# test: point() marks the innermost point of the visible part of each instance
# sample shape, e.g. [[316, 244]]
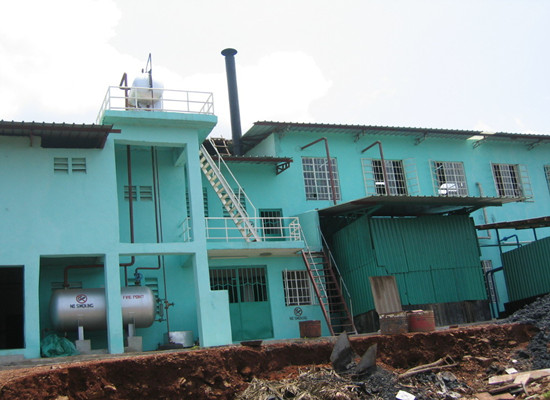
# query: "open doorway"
[[11, 314]]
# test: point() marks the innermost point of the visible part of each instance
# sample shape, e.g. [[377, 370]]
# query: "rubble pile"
[[537, 314]]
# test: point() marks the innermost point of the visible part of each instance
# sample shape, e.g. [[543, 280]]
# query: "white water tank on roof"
[[146, 92]]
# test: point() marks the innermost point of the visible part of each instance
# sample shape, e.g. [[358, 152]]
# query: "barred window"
[[395, 175], [317, 178], [449, 178], [297, 288], [507, 180]]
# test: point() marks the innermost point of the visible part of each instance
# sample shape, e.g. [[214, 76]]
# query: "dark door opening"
[[11, 314]]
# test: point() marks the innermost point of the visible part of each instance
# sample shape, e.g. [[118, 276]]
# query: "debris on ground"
[[481, 362]]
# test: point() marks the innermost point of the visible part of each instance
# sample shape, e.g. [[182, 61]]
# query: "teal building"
[[250, 244]]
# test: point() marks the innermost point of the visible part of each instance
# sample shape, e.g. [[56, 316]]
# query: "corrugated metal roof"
[[84, 136], [413, 205], [261, 129], [541, 222]]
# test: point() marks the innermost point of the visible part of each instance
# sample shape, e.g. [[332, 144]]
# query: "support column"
[[213, 317], [31, 274], [115, 333]]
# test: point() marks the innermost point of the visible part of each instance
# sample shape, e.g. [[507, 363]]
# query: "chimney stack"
[[236, 132]]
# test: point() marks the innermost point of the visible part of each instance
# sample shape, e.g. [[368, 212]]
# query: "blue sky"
[[440, 64]]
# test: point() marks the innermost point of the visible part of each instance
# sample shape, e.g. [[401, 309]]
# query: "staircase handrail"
[[221, 163], [342, 283], [308, 251]]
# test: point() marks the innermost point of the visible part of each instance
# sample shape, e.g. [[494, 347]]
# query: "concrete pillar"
[[31, 274], [115, 333]]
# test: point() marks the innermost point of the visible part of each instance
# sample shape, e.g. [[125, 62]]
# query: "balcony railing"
[[268, 229], [165, 100]]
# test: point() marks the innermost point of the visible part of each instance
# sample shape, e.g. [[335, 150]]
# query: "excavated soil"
[[222, 373]]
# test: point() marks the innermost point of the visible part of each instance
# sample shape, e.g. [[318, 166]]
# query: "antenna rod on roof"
[[236, 132]]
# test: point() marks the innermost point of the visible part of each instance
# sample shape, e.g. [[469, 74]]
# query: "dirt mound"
[[222, 373]]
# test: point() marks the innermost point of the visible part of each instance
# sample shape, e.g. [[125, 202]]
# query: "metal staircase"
[[328, 292], [231, 201]]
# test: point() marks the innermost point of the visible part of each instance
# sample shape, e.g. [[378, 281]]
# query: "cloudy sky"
[[466, 64]]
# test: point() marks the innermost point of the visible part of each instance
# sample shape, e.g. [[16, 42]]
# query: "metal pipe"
[[384, 173], [236, 132], [492, 272], [485, 218], [68, 267], [329, 166], [131, 212]]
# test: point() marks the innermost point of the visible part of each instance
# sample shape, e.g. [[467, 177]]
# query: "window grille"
[[317, 178], [271, 222], [511, 180], [373, 176], [297, 288], [127, 192], [78, 165], [243, 285], [146, 193], [61, 165], [449, 178]]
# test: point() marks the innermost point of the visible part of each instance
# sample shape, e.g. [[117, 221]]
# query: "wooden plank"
[[483, 396], [533, 375]]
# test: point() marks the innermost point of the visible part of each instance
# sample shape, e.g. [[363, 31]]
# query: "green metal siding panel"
[[420, 288], [434, 259], [526, 270], [388, 244]]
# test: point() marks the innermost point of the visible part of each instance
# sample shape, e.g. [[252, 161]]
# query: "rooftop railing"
[[144, 99]]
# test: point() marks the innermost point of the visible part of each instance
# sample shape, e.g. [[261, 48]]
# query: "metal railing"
[[231, 180], [345, 291], [178, 101], [268, 229]]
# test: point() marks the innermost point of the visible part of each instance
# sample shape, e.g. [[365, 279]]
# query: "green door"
[[249, 306]]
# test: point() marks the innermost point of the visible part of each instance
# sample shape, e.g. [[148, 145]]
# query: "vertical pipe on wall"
[[131, 211]]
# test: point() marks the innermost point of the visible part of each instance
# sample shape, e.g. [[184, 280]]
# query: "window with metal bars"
[[395, 175], [242, 284], [507, 180], [449, 178], [271, 222], [297, 288], [317, 178]]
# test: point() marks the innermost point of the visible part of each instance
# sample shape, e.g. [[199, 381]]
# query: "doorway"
[[249, 305]]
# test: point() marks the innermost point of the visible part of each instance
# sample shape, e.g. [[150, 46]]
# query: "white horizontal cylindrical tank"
[[70, 308], [145, 92]]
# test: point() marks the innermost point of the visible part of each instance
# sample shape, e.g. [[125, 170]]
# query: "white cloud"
[[57, 59]]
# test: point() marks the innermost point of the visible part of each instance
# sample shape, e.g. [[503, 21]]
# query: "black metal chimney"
[[236, 132]]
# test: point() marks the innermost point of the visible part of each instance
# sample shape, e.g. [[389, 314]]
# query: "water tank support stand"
[[80, 332], [131, 330]]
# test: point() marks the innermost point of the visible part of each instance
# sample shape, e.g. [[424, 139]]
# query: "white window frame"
[[511, 180], [298, 288], [449, 178], [317, 178], [396, 175]]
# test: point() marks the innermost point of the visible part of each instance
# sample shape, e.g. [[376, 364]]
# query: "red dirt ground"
[[221, 373]]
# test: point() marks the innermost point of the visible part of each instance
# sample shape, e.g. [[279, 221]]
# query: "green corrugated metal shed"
[[435, 259], [527, 270]]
